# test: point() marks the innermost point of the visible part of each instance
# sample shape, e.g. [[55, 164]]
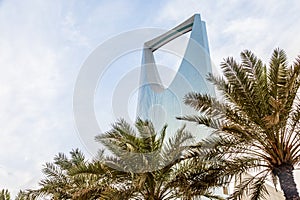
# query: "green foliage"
[[60, 183], [256, 121], [4, 195], [142, 164], [145, 162]]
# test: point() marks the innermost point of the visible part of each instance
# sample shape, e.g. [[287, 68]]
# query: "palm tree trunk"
[[287, 182]]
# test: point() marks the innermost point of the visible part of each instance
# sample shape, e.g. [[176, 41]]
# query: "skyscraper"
[[162, 105]]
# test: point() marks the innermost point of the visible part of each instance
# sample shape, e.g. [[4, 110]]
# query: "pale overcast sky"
[[44, 43]]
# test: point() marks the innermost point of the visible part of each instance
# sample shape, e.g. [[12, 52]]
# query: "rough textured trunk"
[[287, 182]]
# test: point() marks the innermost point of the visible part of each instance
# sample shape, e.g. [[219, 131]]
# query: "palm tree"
[[141, 166], [255, 122], [59, 182], [145, 166]]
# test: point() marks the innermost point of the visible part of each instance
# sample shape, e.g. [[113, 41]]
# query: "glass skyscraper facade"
[[162, 105]]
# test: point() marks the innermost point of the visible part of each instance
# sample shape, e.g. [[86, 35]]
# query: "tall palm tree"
[[146, 166], [256, 121]]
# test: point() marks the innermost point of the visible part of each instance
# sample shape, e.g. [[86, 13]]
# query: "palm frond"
[[255, 124]]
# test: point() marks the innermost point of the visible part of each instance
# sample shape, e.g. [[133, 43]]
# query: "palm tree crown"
[[147, 163], [147, 166], [256, 121], [61, 182]]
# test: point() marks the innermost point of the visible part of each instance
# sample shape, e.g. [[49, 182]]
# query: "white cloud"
[[71, 31], [32, 83], [42, 45], [234, 26]]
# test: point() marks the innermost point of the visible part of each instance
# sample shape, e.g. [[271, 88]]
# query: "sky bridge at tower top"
[[170, 35]]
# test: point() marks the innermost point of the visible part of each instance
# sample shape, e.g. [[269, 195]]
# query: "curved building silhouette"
[[162, 105]]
